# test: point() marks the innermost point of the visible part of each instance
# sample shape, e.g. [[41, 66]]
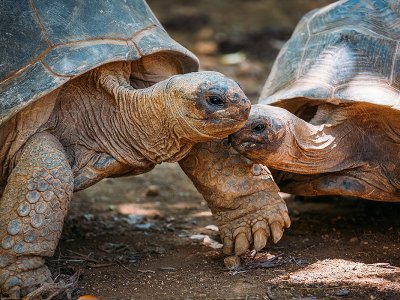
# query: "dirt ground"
[[138, 238]]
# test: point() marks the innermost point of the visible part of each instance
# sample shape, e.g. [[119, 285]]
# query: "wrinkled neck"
[[150, 127], [312, 149]]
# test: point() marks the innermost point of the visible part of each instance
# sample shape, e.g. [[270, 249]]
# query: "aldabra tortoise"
[[334, 125], [90, 89]]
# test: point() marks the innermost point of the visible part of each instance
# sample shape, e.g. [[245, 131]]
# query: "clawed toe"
[[266, 224], [17, 280]]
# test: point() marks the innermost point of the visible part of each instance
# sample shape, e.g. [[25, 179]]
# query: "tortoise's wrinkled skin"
[[242, 195], [334, 125], [343, 155], [104, 92], [100, 127]]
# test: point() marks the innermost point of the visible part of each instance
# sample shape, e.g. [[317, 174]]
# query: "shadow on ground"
[[335, 248]]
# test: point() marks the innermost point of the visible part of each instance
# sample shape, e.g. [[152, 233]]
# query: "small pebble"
[[207, 241], [233, 58], [152, 191], [212, 227], [353, 240], [232, 262], [206, 47], [342, 292]]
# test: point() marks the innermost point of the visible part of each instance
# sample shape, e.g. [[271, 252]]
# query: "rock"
[[152, 191], [353, 240], [207, 241], [144, 226], [212, 227], [233, 58], [342, 293], [206, 47], [134, 219], [232, 262], [197, 237]]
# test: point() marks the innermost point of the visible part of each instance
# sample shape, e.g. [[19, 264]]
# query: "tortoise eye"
[[216, 101], [258, 128]]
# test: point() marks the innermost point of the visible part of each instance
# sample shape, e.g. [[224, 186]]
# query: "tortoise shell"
[[345, 52], [46, 43]]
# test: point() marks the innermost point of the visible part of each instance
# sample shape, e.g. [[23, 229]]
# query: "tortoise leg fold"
[[32, 211], [242, 195]]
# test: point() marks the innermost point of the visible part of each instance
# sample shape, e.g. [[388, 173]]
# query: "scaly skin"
[[242, 196], [32, 212], [97, 126]]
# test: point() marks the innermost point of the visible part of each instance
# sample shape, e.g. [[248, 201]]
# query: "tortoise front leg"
[[32, 211], [242, 196]]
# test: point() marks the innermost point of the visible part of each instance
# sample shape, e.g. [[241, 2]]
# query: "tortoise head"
[[265, 134], [208, 104], [279, 139]]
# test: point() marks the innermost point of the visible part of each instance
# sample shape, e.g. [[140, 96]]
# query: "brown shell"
[[345, 52]]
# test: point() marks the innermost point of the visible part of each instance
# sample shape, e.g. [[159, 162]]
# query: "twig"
[[146, 271], [55, 289], [125, 267], [80, 255], [100, 265]]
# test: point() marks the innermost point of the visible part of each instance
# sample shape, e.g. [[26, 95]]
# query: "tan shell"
[[345, 52]]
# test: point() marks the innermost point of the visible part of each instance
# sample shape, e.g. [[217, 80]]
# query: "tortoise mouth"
[[216, 119], [243, 144]]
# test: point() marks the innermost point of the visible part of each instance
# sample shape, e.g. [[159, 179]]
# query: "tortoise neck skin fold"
[[143, 127], [131, 125], [277, 138], [143, 119], [168, 117]]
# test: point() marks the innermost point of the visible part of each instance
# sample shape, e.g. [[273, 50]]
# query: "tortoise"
[[327, 122], [88, 90]]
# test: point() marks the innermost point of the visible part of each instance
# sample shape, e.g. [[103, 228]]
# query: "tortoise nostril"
[[230, 139]]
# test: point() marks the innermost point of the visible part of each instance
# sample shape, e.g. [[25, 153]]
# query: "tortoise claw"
[[228, 245], [241, 244], [260, 239], [242, 229], [277, 231]]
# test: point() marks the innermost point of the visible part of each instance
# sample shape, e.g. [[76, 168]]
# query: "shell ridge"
[[40, 22], [348, 84], [396, 52], [52, 71], [48, 50], [299, 71], [362, 29]]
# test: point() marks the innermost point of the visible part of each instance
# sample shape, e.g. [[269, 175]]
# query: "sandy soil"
[[130, 238]]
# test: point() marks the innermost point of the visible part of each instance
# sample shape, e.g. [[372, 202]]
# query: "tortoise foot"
[[23, 276], [252, 223]]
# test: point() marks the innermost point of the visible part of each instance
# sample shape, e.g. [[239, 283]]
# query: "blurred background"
[[238, 38]]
